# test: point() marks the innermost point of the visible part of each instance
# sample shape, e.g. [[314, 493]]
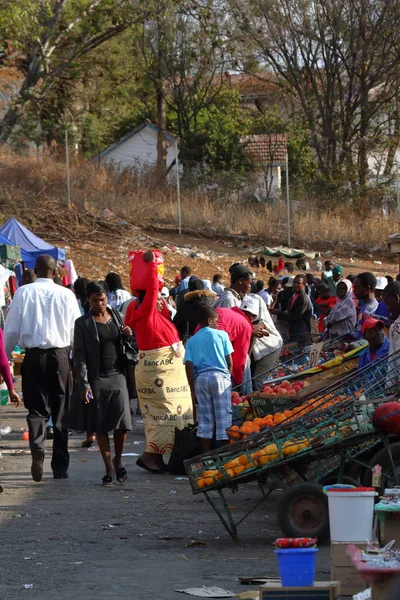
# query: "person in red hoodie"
[[163, 390]]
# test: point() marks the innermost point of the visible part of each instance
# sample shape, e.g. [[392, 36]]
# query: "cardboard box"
[[321, 590], [342, 569], [381, 590], [390, 528], [10, 252]]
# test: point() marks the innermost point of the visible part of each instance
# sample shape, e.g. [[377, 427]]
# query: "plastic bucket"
[[351, 514], [297, 566]]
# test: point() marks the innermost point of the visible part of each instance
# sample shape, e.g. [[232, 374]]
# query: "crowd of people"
[[91, 349]]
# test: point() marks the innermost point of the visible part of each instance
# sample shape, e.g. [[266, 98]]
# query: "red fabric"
[[152, 329], [239, 330], [4, 364], [281, 265], [294, 298], [13, 285], [330, 302]]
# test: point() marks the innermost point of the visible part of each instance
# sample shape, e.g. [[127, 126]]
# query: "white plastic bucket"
[[351, 514]]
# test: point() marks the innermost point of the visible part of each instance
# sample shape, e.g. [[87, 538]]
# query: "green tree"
[[215, 140], [52, 36]]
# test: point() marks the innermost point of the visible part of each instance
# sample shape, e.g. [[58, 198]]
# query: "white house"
[[267, 153], [138, 149]]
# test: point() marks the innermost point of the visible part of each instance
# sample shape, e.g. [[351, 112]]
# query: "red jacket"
[[240, 331]]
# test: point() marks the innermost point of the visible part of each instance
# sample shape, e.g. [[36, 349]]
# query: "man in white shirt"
[[41, 320]]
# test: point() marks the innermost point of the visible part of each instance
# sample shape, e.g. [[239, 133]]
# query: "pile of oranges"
[[328, 401], [242, 463], [237, 433]]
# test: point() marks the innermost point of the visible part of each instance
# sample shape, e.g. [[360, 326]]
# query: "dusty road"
[[56, 534]]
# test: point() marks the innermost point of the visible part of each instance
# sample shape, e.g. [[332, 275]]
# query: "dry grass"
[[32, 185]]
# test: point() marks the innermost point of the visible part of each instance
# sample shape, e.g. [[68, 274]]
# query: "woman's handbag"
[[128, 352]]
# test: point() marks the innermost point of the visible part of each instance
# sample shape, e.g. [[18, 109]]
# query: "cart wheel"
[[303, 512], [381, 458]]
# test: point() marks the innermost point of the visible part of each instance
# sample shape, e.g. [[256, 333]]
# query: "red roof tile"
[[265, 149]]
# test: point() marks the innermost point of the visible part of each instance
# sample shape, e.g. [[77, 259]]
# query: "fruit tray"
[[378, 380], [320, 435]]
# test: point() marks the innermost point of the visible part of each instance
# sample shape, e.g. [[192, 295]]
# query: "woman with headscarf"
[[163, 390], [343, 315], [187, 316]]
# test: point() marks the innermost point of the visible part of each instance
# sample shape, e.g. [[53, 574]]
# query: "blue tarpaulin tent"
[[31, 245], [7, 242]]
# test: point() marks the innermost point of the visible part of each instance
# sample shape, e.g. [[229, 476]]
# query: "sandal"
[[88, 443], [141, 464], [121, 473], [107, 481]]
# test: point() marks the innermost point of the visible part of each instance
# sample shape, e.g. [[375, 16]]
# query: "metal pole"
[[288, 201], [178, 188], [67, 167], [398, 194]]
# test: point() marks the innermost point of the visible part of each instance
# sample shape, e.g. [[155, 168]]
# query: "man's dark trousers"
[[46, 384]]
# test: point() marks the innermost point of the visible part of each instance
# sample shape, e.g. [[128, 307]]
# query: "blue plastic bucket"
[[297, 566]]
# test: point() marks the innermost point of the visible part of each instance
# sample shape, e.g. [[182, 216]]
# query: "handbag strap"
[[117, 318]]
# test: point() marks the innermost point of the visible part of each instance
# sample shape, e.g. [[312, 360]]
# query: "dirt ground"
[[74, 538], [206, 256]]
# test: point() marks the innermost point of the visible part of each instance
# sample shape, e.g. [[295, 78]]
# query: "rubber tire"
[[381, 458], [288, 528]]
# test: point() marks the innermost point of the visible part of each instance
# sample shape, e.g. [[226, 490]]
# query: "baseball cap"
[[338, 270], [239, 271], [381, 283], [371, 323], [165, 292], [250, 305]]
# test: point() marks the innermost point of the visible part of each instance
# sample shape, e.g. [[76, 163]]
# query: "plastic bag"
[[138, 269], [186, 446]]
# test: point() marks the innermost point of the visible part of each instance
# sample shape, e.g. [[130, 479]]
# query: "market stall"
[[31, 245], [297, 452]]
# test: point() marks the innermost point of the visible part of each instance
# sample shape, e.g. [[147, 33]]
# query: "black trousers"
[[46, 384]]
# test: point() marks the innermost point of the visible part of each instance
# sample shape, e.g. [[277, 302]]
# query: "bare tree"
[[331, 57], [184, 53]]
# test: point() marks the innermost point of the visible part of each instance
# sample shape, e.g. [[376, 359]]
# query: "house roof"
[[253, 86], [265, 149], [169, 136]]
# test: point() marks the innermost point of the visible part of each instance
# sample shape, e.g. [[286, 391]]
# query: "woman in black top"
[[101, 377]]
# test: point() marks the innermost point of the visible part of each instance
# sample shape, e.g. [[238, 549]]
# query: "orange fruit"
[[208, 480], [231, 464], [239, 470], [200, 482], [249, 465], [263, 460], [271, 451], [211, 473], [230, 472], [246, 428], [243, 460], [256, 428]]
